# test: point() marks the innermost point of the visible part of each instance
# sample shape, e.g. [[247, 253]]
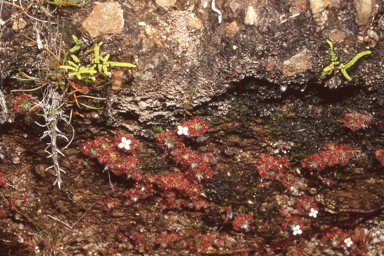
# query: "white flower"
[[182, 130], [348, 241], [313, 213], [125, 143], [296, 230]]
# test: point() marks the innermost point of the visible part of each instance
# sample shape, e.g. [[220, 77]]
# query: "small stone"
[[15, 27], [234, 5], [40, 170], [195, 23], [16, 160], [22, 23], [270, 65], [364, 10], [232, 29], [117, 80], [372, 34], [105, 18], [95, 115], [297, 64], [334, 3], [333, 82], [250, 16], [313, 191], [337, 36], [318, 6], [166, 4]]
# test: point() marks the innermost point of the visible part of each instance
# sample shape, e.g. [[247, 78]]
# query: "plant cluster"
[[3, 179], [24, 104], [356, 120], [379, 153], [85, 72], [295, 224], [354, 239], [118, 160], [343, 67], [294, 250], [177, 188], [2, 212], [89, 70], [18, 202], [275, 168], [83, 164], [334, 154], [243, 221], [139, 239], [166, 239], [307, 206], [141, 190], [192, 128], [110, 203], [201, 243]]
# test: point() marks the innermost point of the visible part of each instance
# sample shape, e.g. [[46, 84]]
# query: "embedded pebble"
[[250, 16], [364, 10]]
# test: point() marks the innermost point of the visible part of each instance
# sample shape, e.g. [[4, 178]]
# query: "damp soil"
[[71, 220]]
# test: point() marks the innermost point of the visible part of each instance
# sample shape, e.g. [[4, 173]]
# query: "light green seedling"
[[87, 72], [343, 67]]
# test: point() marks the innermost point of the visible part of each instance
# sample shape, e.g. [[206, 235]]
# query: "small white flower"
[[348, 241], [296, 230], [125, 143], [182, 130], [313, 213]]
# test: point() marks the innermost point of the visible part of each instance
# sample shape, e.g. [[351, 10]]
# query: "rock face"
[[179, 45], [186, 46]]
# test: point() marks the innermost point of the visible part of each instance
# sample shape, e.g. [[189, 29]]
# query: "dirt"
[[74, 222]]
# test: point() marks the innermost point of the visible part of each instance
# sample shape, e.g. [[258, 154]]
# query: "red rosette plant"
[[167, 239], [167, 141], [109, 154], [356, 120], [18, 202], [192, 128], [335, 237], [334, 154], [294, 221], [110, 203], [25, 103], [243, 221], [379, 153], [3, 179], [305, 204], [2, 212]]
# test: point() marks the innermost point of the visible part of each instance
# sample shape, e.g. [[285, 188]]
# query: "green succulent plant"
[[342, 67], [86, 72]]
